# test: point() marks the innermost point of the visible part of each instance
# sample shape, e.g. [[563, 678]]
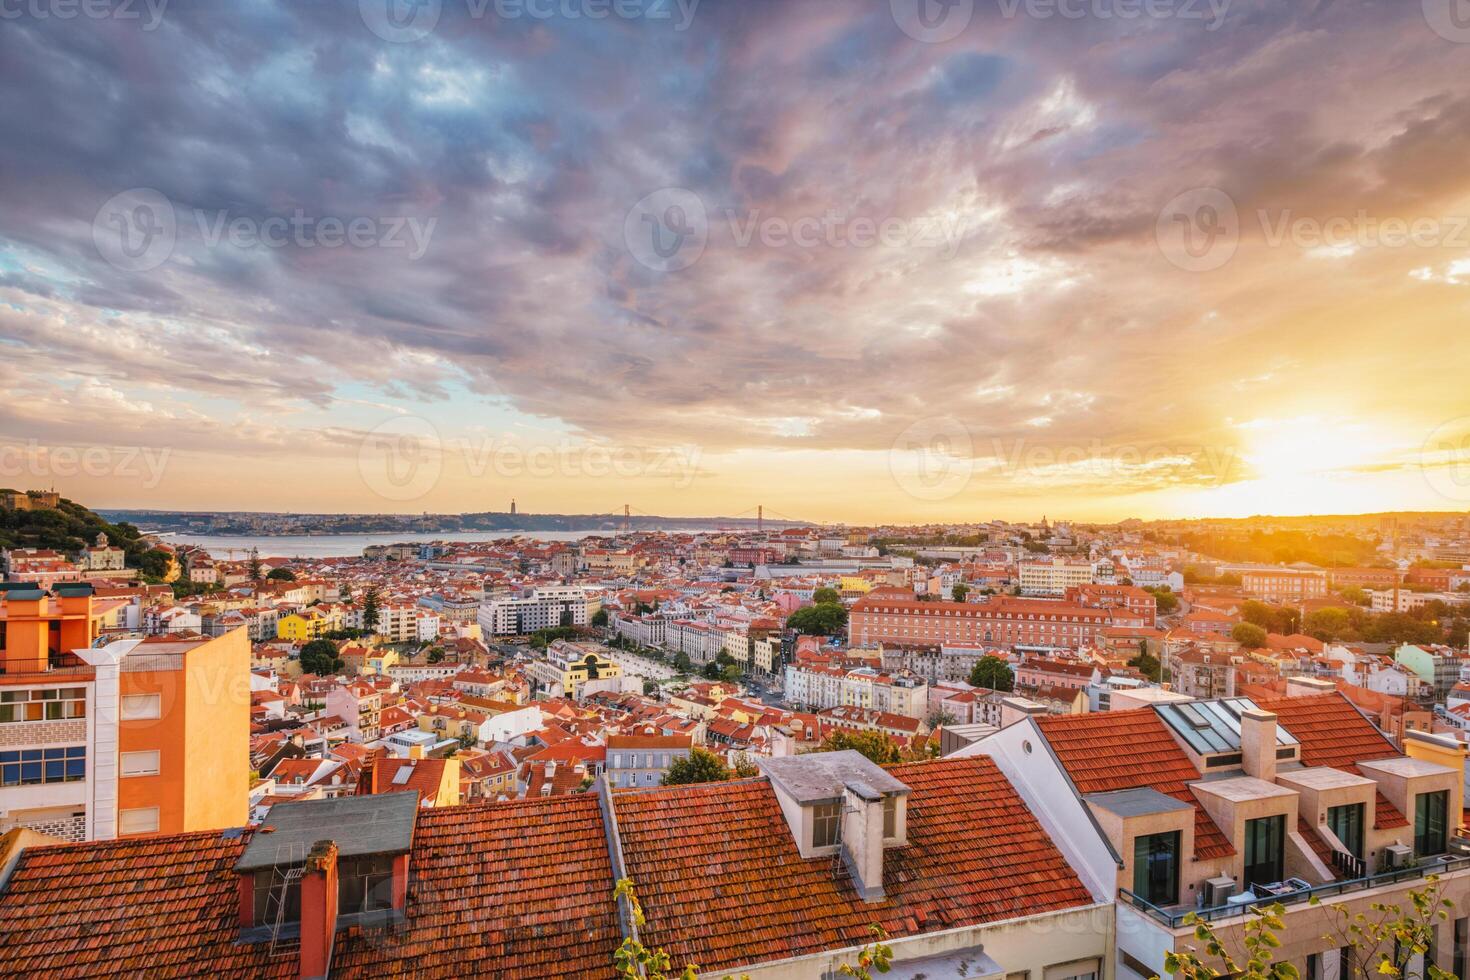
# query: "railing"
[[1174, 916]]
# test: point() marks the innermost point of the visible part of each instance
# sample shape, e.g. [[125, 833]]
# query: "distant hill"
[[68, 528]]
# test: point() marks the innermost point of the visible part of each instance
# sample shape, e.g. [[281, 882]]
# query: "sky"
[[858, 260]]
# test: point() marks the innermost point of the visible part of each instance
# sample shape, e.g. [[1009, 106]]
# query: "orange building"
[[105, 740]]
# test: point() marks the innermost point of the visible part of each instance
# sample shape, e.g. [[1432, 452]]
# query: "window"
[[1430, 810], [1263, 850], [826, 824], [365, 884], [1462, 941], [54, 704], [1156, 868], [138, 763], [29, 767], [142, 820], [137, 707], [1346, 822], [265, 910], [890, 817]]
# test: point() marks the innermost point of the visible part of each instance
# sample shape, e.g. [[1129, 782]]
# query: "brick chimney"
[[1258, 743], [862, 838], [318, 909]]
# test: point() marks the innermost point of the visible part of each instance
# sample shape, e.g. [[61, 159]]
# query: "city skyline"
[[829, 257]]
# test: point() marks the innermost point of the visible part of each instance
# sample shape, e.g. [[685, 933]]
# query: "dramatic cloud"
[[1069, 258]]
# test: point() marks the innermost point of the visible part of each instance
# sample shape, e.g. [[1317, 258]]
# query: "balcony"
[[1174, 915]]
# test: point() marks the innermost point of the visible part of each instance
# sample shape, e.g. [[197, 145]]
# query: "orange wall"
[[202, 737]]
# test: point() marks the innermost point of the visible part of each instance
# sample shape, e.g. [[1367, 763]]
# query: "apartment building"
[[1053, 578], [374, 885], [545, 608], [997, 622], [642, 760], [821, 686], [1211, 806], [1436, 666], [566, 667], [1136, 600], [402, 622], [137, 736], [1283, 585], [360, 707]]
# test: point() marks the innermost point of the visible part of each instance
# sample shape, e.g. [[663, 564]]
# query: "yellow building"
[[303, 626], [572, 665], [854, 583]]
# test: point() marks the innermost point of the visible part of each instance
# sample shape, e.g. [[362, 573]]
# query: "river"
[[345, 545]]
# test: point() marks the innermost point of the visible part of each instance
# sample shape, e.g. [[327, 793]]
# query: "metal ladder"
[[282, 878]]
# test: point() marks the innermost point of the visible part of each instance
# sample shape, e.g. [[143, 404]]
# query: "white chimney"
[[862, 838], [1301, 687], [1258, 743]]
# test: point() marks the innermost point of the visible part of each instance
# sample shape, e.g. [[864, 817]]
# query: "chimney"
[[862, 838], [318, 909], [1301, 687], [1016, 709], [1258, 743]]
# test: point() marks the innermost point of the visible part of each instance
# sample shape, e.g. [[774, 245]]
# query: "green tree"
[[959, 592], [1147, 664], [826, 595], [994, 673], [875, 745], [255, 564], [370, 604], [1165, 599], [436, 654], [281, 575], [938, 718], [599, 618], [1329, 625], [826, 619], [154, 564], [701, 766], [320, 657], [1249, 635], [1384, 941], [682, 663]]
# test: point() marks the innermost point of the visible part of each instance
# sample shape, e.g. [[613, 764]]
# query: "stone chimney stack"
[[1258, 743], [862, 838]]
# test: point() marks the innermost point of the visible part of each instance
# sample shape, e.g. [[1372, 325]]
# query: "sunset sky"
[[816, 255]]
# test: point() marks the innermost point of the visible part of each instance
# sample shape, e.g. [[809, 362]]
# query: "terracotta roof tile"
[[1112, 750], [723, 853]]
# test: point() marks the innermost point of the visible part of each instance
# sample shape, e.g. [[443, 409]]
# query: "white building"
[[545, 608]]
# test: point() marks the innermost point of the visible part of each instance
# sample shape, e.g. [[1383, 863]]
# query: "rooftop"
[[819, 777], [1139, 802], [364, 824]]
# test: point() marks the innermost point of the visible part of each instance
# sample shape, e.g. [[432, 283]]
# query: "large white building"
[[545, 608], [822, 686], [1054, 578]]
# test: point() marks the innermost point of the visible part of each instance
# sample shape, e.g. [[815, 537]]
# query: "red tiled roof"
[[722, 852], [1334, 733], [525, 886], [1112, 750]]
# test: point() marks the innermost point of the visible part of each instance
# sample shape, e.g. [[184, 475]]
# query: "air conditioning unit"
[[1217, 891], [1398, 856]]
